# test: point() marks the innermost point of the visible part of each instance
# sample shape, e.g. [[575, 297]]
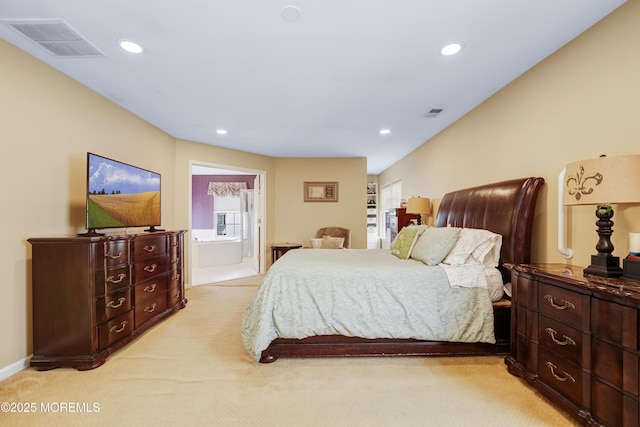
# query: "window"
[[391, 197]]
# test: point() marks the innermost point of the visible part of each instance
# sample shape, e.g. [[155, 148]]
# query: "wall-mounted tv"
[[120, 195]]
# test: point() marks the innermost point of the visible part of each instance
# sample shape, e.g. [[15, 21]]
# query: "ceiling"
[[300, 78]]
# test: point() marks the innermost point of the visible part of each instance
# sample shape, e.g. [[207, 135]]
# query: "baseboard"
[[14, 368]]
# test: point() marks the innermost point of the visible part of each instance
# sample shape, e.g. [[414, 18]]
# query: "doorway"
[[226, 232]]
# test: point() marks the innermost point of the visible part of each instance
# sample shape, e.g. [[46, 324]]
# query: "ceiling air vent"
[[56, 36], [433, 112]]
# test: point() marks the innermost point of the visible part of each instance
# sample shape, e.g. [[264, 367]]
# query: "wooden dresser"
[[93, 295], [576, 340], [398, 220]]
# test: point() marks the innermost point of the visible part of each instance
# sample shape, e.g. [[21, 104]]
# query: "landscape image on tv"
[[121, 195]]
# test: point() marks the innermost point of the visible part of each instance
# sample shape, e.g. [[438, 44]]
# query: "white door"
[[258, 209]]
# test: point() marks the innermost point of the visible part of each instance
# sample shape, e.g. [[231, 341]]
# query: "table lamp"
[[602, 182], [420, 206]]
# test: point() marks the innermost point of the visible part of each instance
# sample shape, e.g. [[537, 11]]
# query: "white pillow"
[[475, 246], [494, 283], [316, 243]]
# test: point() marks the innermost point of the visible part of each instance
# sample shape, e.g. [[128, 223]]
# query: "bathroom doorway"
[[226, 227]]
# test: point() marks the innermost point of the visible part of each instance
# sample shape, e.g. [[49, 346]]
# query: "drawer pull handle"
[[113, 304], [151, 308], [150, 248], [120, 278], [150, 288], [567, 340], [118, 255], [565, 304], [150, 268], [567, 376], [117, 329]]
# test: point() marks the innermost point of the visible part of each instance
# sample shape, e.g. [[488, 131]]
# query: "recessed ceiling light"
[[130, 46], [291, 13], [451, 48], [221, 131], [385, 131]]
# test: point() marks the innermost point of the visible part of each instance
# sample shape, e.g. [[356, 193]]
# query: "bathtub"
[[220, 250]]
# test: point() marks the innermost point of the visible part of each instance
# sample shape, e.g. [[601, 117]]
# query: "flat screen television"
[[120, 195]]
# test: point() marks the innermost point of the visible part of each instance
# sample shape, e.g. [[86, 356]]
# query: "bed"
[[312, 302]]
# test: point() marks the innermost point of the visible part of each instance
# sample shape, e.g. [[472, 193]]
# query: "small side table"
[[279, 249]]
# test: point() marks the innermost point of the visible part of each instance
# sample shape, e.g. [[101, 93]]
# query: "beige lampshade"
[[603, 180], [419, 205]]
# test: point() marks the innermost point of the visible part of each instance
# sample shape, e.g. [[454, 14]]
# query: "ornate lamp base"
[[604, 265]]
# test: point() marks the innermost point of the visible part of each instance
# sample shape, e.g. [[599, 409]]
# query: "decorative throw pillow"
[[404, 242], [434, 244], [329, 242], [316, 243]]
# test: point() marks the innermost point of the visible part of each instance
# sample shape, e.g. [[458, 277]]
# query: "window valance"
[[226, 188]]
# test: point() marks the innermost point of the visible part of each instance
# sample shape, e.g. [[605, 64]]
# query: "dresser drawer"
[[174, 296], [112, 305], [116, 252], [563, 340], [564, 305], [147, 269], [150, 289], [561, 375], [145, 248], [115, 329], [149, 309], [108, 281]]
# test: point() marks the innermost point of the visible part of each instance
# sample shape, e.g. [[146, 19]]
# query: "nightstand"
[[279, 249], [576, 339]]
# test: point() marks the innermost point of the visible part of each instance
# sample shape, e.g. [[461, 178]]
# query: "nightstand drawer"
[[561, 375], [612, 407], [563, 340], [563, 305]]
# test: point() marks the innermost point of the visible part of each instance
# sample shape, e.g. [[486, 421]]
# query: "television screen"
[[120, 195]]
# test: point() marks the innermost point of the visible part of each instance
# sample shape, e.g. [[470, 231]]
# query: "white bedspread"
[[364, 293]]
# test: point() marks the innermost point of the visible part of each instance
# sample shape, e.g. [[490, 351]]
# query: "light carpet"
[[192, 370]]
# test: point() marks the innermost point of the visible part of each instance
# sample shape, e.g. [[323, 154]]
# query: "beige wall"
[[49, 122], [297, 221], [579, 103]]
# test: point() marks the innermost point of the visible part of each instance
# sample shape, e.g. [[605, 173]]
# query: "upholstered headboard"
[[506, 208]]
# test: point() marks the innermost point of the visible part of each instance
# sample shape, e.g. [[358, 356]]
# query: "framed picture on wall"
[[320, 191]]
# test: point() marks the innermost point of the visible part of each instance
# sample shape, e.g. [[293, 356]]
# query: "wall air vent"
[[56, 36], [433, 112]]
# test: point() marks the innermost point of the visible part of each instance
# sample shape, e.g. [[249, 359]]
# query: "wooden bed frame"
[[506, 208]]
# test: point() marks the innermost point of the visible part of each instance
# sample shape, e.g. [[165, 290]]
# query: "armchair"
[[336, 232]]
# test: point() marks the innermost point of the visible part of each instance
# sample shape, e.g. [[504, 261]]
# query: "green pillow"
[[404, 242], [434, 244]]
